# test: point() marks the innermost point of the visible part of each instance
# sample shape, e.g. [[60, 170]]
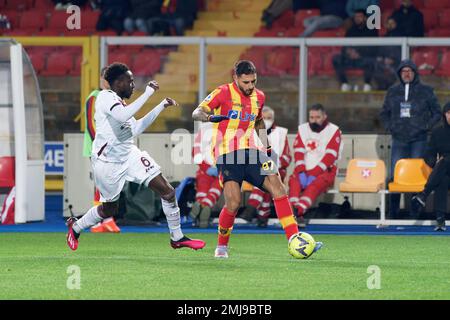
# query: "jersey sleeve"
[[107, 101], [299, 154], [213, 100]]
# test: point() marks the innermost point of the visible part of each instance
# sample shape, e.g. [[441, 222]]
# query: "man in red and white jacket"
[[207, 183], [259, 201], [317, 147]]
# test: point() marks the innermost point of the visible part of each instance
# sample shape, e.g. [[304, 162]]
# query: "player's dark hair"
[[114, 71], [244, 67], [317, 107], [361, 11]]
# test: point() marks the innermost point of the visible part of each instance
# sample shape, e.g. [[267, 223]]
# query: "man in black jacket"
[[410, 111], [438, 157], [409, 20], [360, 57]]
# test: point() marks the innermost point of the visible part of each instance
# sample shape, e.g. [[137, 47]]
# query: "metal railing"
[[302, 43]]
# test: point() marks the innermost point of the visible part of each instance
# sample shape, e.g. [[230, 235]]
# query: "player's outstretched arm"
[[150, 117], [200, 114], [122, 113]]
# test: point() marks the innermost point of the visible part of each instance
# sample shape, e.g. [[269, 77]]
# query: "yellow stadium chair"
[[364, 175], [410, 175]]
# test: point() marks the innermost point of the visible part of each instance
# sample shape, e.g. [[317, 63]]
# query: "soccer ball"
[[301, 245]]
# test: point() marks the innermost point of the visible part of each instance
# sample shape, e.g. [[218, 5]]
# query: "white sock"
[[172, 212], [91, 218]]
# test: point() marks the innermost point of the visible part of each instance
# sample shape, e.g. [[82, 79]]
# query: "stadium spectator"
[[409, 20], [207, 183], [113, 13], [385, 73], [361, 57], [64, 4], [274, 10], [116, 159], [353, 6], [259, 201], [437, 157], [409, 112], [332, 15], [316, 149], [141, 11], [237, 115], [107, 225], [175, 14]]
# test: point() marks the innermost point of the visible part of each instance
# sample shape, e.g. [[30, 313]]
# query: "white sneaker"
[[221, 252], [345, 87], [367, 87]]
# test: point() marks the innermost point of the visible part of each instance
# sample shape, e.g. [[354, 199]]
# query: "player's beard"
[[247, 92]]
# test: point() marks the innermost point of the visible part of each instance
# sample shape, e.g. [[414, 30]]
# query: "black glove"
[[218, 118]]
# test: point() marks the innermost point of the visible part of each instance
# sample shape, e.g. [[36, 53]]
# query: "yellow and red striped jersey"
[[243, 111]]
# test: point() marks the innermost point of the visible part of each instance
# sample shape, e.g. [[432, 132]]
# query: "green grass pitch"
[[144, 266]]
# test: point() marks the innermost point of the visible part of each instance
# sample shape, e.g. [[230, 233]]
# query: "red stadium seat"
[[444, 66], [444, 19], [146, 63], [327, 64], [430, 18], [294, 32], [58, 64], [58, 20], [386, 5], [332, 33], [49, 33], [272, 32], [122, 57], [44, 5], [37, 60], [256, 54], [106, 33], [280, 61], [33, 21], [439, 33], [7, 172], [437, 4], [19, 5], [286, 20], [302, 14], [18, 33], [78, 32], [89, 19], [76, 70]]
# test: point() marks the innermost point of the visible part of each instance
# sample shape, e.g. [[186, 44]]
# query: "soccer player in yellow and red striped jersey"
[[239, 155]]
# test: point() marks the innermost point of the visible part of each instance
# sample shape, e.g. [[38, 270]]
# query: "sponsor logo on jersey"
[[234, 114]]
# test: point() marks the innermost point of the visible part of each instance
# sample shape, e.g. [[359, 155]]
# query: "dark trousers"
[[438, 181], [403, 150], [341, 63]]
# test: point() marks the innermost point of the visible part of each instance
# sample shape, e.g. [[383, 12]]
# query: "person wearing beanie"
[[410, 111]]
